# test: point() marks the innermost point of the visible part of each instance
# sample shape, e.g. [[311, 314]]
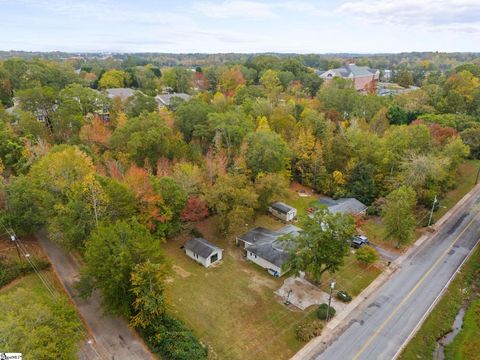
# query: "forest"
[[115, 180]]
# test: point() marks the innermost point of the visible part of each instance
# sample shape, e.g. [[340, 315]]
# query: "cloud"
[[432, 15], [252, 9]]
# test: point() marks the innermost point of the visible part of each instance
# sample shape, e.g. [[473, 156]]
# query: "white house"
[[263, 247], [282, 211], [203, 251], [344, 206]]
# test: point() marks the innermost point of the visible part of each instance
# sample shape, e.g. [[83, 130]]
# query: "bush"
[[322, 312], [373, 210], [308, 330], [366, 255], [196, 233], [10, 270], [344, 296], [173, 340]]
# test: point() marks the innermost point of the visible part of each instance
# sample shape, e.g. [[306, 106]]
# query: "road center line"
[[422, 279]]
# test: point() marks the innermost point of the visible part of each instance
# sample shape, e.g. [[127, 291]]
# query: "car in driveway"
[[359, 240]]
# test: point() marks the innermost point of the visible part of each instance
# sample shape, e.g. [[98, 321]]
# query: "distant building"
[[164, 100], [344, 206], [363, 78], [262, 246], [282, 211], [203, 251], [122, 93]]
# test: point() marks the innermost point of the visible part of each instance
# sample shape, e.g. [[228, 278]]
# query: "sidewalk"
[[113, 339], [338, 323]]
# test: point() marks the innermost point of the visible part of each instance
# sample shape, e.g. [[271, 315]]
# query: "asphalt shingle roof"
[[282, 207], [201, 247], [166, 98], [343, 205]]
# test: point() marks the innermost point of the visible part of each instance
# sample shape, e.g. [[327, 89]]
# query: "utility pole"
[[12, 237], [332, 285], [431, 212]]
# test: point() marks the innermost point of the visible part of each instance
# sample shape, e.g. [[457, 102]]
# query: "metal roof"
[[282, 207], [343, 205], [201, 247], [166, 98]]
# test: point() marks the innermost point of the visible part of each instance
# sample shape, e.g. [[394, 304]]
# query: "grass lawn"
[[466, 344], [232, 307], [440, 321], [465, 180], [353, 277]]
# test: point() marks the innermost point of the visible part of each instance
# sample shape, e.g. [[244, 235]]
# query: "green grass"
[[465, 181], [440, 321], [466, 345], [232, 307], [353, 276]]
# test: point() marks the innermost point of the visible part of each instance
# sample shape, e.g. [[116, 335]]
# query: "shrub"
[[366, 255], [322, 312], [10, 270], [173, 340], [308, 330], [374, 210], [344, 296], [196, 233]]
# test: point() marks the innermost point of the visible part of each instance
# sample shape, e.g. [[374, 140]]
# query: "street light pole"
[[332, 285], [431, 212]]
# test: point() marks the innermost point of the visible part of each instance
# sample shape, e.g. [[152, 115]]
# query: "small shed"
[[203, 251], [282, 211]]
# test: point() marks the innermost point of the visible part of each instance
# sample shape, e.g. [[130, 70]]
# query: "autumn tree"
[[398, 216], [114, 79], [233, 198], [196, 209]]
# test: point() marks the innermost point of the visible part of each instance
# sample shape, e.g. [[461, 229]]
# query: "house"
[[364, 79], [282, 211], [164, 100], [344, 206], [264, 247], [203, 251], [122, 93]]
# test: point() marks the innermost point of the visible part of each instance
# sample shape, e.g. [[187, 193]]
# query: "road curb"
[[311, 348]]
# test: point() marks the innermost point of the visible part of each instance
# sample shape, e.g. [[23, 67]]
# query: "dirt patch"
[[259, 282], [302, 190], [182, 272]]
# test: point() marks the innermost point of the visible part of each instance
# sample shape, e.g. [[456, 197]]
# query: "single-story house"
[[263, 247], [203, 251], [282, 211], [164, 100], [344, 205], [122, 93]]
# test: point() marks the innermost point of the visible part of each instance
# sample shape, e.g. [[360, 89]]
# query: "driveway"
[[112, 338]]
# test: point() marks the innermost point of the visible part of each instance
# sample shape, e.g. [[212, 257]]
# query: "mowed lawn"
[[232, 307]]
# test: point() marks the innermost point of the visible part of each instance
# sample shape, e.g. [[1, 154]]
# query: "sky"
[[242, 26]]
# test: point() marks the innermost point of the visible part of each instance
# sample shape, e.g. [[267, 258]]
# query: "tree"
[[230, 80], [266, 152], [114, 79], [139, 103], [189, 177], [196, 209], [40, 101], [321, 245], [112, 253], [39, 326], [398, 216], [361, 183], [367, 255], [471, 137], [308, 161], [234, 200], [405, 78], [190, 115], [147, 281], [270, 187], [271, 83]]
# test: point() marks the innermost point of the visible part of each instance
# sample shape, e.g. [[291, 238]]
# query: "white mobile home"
[[282, 211], [203, 251]]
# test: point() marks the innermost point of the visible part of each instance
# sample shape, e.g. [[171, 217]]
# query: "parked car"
[[359, 241]]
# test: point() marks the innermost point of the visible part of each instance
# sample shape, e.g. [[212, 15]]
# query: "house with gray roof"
[[265, 247], [122, 93], [363, 77], [164, 100], [282, 211], [344, 205], [203, 251]]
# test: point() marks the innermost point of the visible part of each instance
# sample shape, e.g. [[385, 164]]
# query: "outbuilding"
[[203, 251], [282, 211]]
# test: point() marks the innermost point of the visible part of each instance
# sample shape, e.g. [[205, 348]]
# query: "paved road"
[[378, 328], [113, 339]]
